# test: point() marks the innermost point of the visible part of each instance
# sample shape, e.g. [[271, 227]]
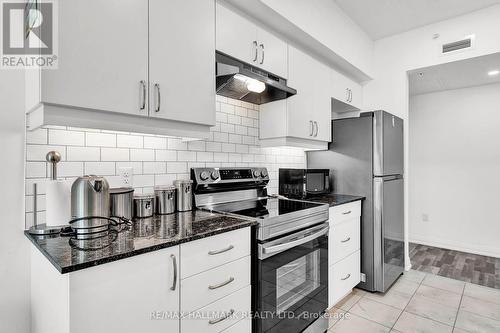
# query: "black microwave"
[[303, 183]]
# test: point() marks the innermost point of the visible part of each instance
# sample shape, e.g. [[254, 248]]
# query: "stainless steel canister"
[[121, 203], [165, 199], [184, 194], [144, 205]]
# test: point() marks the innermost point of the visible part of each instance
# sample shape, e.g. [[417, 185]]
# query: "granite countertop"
[[335, 199], [69, 254]]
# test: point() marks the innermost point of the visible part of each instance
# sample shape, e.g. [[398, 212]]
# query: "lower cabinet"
[[344, 259], [147, 293]]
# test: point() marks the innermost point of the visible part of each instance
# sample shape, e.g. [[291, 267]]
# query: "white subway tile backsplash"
[[39, 152], [142, 155], [186, 155], [155, 142], [100, 139], [65, 137], [83, 154], [129, 141], [115, 154], [36, 169], [100, 168], [176, 167], [154, 168], [156, 160], [38, 136], [166, 155]]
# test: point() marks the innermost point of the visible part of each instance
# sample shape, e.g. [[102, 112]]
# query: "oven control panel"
[[209, 176]]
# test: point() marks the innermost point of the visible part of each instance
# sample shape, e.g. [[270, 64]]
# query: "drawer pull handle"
[[174, 264], [230, 247], [346, 277], [222, 318], [346, 240], [222, 284], [347, 213]]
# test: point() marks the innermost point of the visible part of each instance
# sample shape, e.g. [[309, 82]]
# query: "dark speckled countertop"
[[68, 254], [335, 199]]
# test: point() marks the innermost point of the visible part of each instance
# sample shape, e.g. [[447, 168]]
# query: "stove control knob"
[[256, 173], [263, 173], [215, 175], [204, 175]]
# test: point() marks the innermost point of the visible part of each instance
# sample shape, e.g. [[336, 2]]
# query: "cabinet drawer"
[[345, 212], [344, 239], [210, 319], [204, 288], [204, 254], [243, 326], [343, 276]]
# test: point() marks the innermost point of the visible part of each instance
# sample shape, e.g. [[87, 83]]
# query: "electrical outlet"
[[425, 217], [127, 176]]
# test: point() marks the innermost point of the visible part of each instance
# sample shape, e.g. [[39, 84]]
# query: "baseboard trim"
[[451, 245]]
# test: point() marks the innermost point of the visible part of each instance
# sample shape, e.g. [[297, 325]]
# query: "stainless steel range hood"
[[238, 80]]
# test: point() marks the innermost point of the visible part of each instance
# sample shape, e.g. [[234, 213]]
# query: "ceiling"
[[382, 18], [454, 75]]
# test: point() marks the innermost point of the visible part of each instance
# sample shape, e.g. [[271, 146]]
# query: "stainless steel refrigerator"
[[366, 158]]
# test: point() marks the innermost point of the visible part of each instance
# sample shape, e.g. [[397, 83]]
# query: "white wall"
[[14, 247], [156, 159], [455, 169], [395, 55]]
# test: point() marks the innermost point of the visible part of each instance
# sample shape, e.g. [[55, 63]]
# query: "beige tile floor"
[[420, 302]]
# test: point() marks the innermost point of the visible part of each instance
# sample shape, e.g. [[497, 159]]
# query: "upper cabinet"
[[240, 38], [347, 94], [182, 65], [103, 57], [303, 120], [121, 60]]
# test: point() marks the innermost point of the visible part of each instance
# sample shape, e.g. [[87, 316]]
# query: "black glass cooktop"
[[264, 208]]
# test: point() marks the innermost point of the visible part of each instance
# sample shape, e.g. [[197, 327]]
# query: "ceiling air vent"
[[458, 45]]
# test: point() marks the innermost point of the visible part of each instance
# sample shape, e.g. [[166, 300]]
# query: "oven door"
[[317, 181], [292, 285]]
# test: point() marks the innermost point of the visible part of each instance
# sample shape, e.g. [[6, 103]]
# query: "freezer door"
[[388, 153], [388, 230]]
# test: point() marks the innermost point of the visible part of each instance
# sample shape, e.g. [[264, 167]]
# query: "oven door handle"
[[270, 250]]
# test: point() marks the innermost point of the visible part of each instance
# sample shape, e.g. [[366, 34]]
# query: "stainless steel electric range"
[[290, 266]]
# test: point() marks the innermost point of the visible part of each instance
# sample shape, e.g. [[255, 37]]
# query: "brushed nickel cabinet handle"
[[255, 46], [158, 97], [311, 128], [222, 318], [347, 213], [142, 83], [174, 263], [346, 277], [230, 247], [222, 284], [262, 50], [346, 240], [317, 128], [347, 94]]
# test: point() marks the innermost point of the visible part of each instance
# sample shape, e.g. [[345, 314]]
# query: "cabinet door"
[[273, 53], [182, 60], [129, 295], [322, 102], [103, 56], [346, 90], [300, 106], [236, 36]]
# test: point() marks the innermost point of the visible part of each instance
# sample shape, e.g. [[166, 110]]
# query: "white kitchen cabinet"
[[102, 57], [132, 67], [307, 114], [121, 296], [181, 60], [242, 39], [344, 258], [147, 292], [347, 93]]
